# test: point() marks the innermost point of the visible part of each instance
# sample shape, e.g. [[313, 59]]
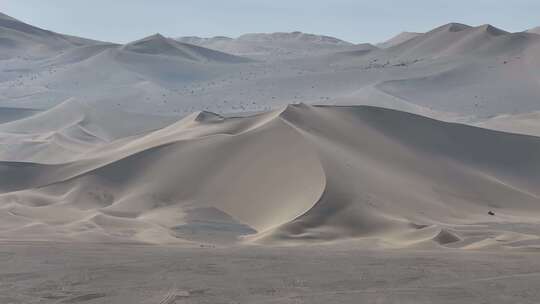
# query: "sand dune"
[[270, 168], [140, 142], [450, 40], [507, 70], [333, 173], [111, 74]]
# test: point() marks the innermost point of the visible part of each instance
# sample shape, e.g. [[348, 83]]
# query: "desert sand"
[[270, 168], [96, 273], [301, 174]]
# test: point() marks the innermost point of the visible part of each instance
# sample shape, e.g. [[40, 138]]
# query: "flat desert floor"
[[90, 273]]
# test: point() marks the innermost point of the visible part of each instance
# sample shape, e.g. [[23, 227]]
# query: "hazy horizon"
[[354, 21]]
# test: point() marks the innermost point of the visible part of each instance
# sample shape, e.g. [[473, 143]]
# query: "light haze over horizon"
[[352, 20]]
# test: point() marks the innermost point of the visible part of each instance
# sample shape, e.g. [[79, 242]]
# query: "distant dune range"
[[427, 140], [455, 72]]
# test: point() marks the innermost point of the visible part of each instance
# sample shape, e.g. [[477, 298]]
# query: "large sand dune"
[[300, 174], [108, 142]]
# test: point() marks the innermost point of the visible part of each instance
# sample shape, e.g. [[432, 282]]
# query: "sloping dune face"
[[390, 172], [302, 174], [258, 171]]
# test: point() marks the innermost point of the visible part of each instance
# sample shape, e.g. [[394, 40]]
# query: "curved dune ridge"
[[299, 174]]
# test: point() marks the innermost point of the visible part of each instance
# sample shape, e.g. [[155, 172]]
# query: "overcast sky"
[[353, 20]]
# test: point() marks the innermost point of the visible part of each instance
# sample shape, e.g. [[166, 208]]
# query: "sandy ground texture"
[[119, 274]]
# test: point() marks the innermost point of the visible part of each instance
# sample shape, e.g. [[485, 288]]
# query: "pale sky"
[[352, 20]]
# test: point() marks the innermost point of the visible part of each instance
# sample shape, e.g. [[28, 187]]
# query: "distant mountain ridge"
[[296, 35], [269, 45], [300, 36]]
